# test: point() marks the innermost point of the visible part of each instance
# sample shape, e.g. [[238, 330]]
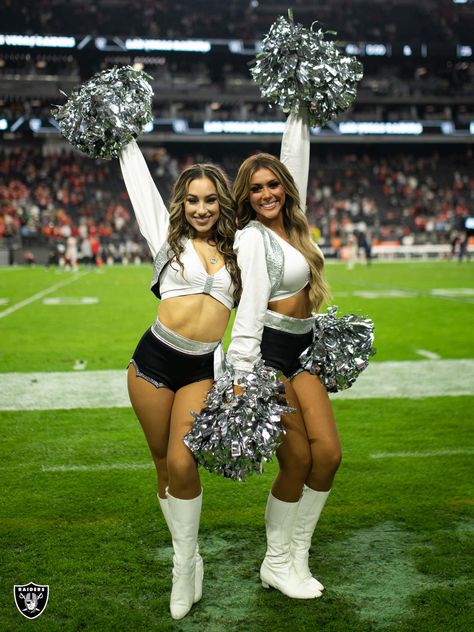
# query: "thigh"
[[316, 410], [295, 440], [152, 406], [182, 467], [188, 398]]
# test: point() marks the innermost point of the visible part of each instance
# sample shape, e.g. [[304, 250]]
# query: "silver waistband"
[[180, 343], [288, 324]]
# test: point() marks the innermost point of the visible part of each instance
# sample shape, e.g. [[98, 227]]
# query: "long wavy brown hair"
[[294, 219], [223, 230]]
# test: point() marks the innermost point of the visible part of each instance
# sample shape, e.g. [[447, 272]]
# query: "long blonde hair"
[[294, 219], [223, 230]]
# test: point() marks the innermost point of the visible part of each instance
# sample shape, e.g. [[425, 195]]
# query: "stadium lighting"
[[180, 126], [353, 49], [464, 50], [3, 124], [376, 50], [20, 120], [187, 46], [375, 127], [38, 41], [243, 127]]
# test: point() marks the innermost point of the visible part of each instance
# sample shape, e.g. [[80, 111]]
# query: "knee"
[[334, 459], [296, 462], [327, 459], [181, 468], [161, 466]]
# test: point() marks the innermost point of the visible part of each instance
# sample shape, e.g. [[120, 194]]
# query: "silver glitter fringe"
[[301, 71], [340, 349], [234, 434], [107, 112]]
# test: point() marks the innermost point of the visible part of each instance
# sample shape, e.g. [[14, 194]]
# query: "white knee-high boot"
[[199, 575], [184, 516], [277, 568], [310, 507]]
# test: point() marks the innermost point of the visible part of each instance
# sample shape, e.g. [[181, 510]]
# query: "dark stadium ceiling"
[[405, 33]]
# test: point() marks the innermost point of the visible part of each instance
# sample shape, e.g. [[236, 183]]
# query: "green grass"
[[393, 547], [42, 337]]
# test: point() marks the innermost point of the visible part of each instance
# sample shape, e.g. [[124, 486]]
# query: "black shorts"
[[164, 366], [281, 350]]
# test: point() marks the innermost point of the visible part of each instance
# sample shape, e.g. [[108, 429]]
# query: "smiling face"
[[201, 206], [267, 195]]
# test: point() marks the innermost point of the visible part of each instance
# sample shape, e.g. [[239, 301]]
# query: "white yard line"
[[104, 467], [97, 468], [421, 455], [39, 295], [429, 355], [108, 389]]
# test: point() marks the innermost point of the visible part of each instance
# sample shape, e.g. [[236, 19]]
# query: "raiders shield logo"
[[31, 599]]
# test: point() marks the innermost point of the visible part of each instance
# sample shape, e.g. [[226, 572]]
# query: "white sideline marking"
[[453, 291], [71, 300], [420, 455], [108, 389], [96, 468], [413, 380], [429, 355], [104, 467], [39, 295], [68, 390], [386, 294]]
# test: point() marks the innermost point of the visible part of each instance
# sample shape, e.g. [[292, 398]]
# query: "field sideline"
[[394, 545]]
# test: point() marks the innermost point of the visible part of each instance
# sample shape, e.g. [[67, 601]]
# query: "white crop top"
[[196, 280], [153, 221], [296, 271]]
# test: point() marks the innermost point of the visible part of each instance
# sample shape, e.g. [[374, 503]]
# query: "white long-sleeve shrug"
[[244, 349]]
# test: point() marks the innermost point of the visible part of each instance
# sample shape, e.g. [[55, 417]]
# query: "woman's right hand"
[[238, 390]]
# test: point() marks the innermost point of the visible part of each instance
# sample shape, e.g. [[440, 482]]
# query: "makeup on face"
[[267, 195], [201, 205]]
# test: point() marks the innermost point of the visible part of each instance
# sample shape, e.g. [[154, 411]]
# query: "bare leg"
[[321, 430], [152, 406], [184, 480], [293, 455]]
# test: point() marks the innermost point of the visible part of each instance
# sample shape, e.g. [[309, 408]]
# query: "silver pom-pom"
[[234, 434], [340, 349], [107, 112], [301, 71]]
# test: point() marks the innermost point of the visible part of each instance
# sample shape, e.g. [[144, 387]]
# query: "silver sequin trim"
[[287, 323], [147, 377], [180, 343], [273, 254], [161, 259], [208, 285]]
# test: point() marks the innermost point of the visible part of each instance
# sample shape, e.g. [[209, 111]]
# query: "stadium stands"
[[396, 192]]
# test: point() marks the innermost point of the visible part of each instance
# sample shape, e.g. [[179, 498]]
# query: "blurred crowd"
[[222, 89], [442, 20], [75, 205]]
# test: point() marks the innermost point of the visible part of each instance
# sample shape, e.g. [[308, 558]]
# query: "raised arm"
[[150, 210], [295, 148], [244, 349]]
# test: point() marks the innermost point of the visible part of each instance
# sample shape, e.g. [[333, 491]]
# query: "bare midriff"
[[197, 317], [297, 306]]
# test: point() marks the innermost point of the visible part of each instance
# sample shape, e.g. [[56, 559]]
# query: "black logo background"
[[31, 599]]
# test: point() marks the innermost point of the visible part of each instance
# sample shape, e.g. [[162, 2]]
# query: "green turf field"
[[78, 511]]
